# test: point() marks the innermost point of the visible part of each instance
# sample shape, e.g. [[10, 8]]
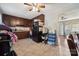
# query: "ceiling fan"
[[35, 6]]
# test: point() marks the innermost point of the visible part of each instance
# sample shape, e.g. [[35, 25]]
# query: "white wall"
[[50, 22], [52, 18], [73, 14]]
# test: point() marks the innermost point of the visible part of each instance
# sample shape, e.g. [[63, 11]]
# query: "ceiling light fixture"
[[35, 6]]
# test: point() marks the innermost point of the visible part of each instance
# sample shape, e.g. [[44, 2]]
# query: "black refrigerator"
[[36, 34]]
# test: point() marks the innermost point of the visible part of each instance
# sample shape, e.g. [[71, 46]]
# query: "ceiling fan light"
[[33, 9], [35, 6]]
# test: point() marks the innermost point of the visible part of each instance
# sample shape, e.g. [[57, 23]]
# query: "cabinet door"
[[6, 20]]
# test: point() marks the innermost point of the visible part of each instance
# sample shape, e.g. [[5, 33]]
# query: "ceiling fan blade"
[[27, 4], [30, 9], [42, 6]]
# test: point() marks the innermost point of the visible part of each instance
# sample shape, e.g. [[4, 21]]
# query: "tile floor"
[[27, 47]]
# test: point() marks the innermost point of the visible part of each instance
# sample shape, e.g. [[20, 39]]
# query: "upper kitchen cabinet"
[[16, 21], [41, 17]]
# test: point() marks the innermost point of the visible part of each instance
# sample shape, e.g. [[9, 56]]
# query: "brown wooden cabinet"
[[16, 21], [40, 17], [13, 21], [22, 35]]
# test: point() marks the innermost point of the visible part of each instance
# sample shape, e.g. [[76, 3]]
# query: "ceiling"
[[18, 9], [60, 8]]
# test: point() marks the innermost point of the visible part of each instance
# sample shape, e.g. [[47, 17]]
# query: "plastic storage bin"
[[52, 39]]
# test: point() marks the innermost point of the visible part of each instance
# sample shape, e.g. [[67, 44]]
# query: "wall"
[[51, 21], [51, 17], [71, 24]]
